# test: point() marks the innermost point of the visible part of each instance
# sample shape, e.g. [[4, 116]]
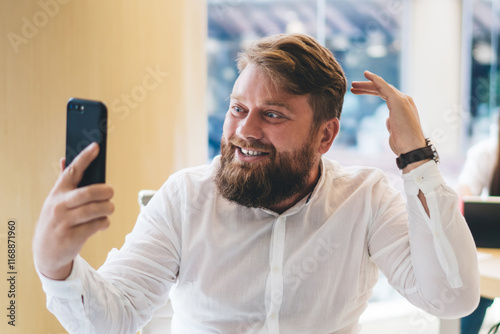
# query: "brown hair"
[[300, 65]]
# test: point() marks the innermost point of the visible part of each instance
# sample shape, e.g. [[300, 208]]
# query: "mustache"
[[256, 145]]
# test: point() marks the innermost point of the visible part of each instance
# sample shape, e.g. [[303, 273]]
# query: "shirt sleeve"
[[64, 298], [123, 294], [432, 260]]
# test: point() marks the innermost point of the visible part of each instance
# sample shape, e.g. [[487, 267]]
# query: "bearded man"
[[271, 237]]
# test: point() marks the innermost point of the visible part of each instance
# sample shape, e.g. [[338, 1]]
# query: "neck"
[[291, 201]]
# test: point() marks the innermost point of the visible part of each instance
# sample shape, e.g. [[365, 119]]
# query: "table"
[[489, 270]]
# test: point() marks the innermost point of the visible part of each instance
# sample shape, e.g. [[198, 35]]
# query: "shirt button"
[[276, 269], [272, 315]]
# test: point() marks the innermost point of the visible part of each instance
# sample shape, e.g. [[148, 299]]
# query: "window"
[[361, 34], [481, 20]]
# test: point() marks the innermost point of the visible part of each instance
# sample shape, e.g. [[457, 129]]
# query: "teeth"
[[251, 153]]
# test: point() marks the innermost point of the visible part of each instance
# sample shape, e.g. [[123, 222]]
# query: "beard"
[[263, 184]]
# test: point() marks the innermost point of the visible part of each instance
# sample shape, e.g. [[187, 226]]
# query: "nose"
[[250, 127]]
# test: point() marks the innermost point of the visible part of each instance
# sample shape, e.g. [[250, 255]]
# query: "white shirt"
[[231, 269], [477, 172]]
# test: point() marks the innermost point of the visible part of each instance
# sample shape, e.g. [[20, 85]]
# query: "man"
[[271, 237]]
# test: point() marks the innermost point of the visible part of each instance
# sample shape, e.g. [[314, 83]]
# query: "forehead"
[[254, 83]]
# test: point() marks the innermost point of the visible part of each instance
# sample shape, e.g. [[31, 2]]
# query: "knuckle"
[[71, 169], [64, 201], [70, 198], [59, 206], [70, 173]]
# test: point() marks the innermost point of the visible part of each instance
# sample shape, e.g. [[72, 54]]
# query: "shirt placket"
[[276, 275]]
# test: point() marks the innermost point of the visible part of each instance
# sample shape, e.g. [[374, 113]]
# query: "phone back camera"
[[77, 107]]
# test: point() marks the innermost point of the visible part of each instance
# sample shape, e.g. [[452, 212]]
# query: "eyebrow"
[[267, 103]]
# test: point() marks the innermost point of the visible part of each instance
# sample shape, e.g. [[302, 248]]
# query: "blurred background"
[[165, 69]]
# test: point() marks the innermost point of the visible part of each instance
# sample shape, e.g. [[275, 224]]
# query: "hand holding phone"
[[70, 216]]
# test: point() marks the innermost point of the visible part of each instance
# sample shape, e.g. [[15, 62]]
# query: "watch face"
[[435, 156]]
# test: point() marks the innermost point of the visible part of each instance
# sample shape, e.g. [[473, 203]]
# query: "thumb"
[[72, 175]]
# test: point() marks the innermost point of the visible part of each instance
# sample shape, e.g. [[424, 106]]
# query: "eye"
[[237, 111], [272, 114], [275, 117]]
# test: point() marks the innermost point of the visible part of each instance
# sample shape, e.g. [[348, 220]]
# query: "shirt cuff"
[[425, 178], [69, 288]]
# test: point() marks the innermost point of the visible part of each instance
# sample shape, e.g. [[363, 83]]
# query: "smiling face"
[[270, 153], [265, 118]]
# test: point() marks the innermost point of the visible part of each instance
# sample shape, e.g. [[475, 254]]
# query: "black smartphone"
[[87, 122]]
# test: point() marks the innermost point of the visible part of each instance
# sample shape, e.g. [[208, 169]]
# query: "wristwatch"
[[427, 152]]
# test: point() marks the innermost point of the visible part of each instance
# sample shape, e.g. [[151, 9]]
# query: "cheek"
[[294, 141], [228, 127], [287, 142]]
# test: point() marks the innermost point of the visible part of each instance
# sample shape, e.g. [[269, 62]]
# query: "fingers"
[[364, 85], [366, 92], [69, 216], [91, 193], [376, 86], [83, 232], [365, 88], [88, 203], [74, 172], [380, 84], [403, 124], [90, 212], [83, 205]]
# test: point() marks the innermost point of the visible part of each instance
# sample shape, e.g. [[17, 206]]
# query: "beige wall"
[[434, 71], [51, 50]]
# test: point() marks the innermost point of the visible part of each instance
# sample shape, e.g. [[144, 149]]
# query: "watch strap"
[[413, 156]]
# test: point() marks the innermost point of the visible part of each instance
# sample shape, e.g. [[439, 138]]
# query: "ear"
[[328, 131]]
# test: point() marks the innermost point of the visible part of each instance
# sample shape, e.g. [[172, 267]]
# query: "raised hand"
[[403, 123], [69, 216]]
